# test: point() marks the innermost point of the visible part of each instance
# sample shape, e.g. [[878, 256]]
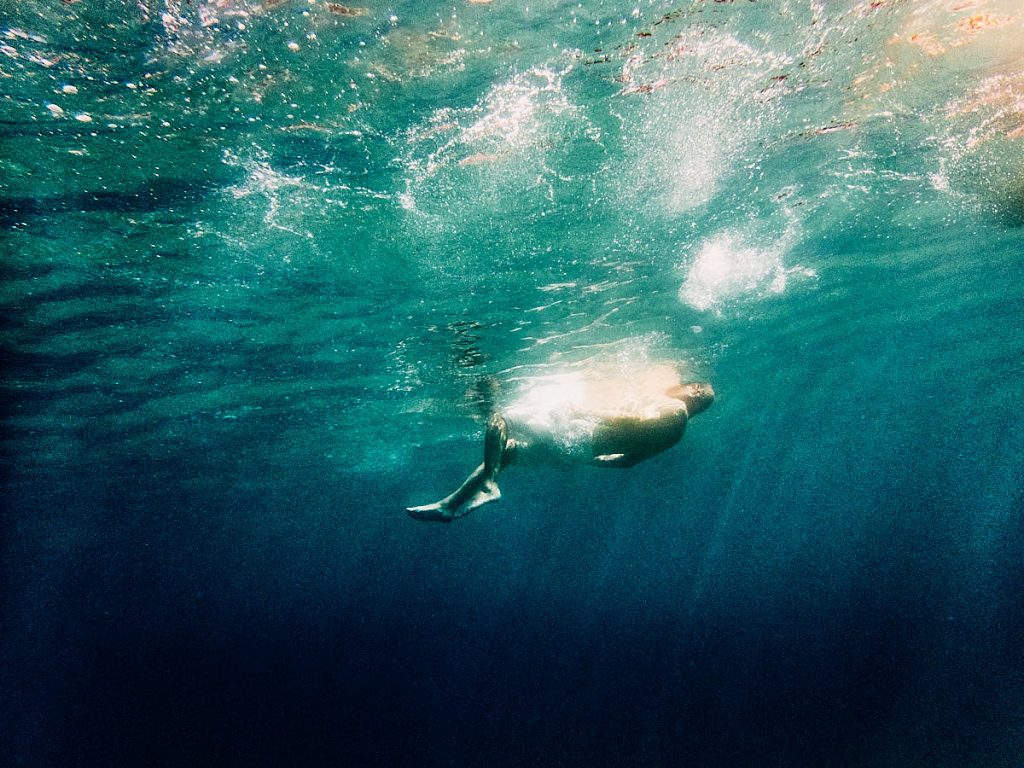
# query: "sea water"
[[257, 259]]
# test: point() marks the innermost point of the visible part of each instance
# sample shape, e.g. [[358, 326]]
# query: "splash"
[[515, 114], [201, 32], [261, 178], [281, 197], [700, 150], [701, 111], [493, 149], [732, 267]]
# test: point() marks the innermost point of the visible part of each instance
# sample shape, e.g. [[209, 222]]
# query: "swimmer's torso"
[[565, 419]]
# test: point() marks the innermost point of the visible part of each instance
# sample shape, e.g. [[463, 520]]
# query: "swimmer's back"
[[558, 416]]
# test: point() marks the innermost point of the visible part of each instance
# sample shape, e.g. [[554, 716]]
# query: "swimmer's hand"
[[620, 460]]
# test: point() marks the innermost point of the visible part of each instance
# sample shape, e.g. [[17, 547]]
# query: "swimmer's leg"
[[495, 444], [481, 487], [443, 511]]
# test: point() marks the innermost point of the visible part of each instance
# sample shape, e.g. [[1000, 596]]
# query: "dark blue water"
[[257, 258]]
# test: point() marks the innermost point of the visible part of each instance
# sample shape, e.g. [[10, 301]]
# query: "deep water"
[[256, 260]]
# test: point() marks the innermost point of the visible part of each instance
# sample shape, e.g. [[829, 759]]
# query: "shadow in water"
[[154, 195]]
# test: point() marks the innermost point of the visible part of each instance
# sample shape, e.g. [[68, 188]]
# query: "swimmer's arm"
[[626, 441]]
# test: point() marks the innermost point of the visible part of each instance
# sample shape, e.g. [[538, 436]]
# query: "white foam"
[[697, 157], [282, 198], [731, 267], [513, 112], [692, 124], [261, 178], [496, 147]]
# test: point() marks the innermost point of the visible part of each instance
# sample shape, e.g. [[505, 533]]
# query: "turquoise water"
[[257, 257]]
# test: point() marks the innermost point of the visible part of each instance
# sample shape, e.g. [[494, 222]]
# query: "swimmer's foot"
[[437, 512], [488, 492]]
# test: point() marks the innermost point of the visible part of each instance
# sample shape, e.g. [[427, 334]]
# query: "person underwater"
[[614, 421]]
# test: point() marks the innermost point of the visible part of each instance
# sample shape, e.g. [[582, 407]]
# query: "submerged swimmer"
[[607, 423]]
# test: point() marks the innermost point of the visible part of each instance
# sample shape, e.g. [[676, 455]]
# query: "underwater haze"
[[258, 257]]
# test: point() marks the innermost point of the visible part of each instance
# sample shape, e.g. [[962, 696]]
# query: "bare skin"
[[618, 442]]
